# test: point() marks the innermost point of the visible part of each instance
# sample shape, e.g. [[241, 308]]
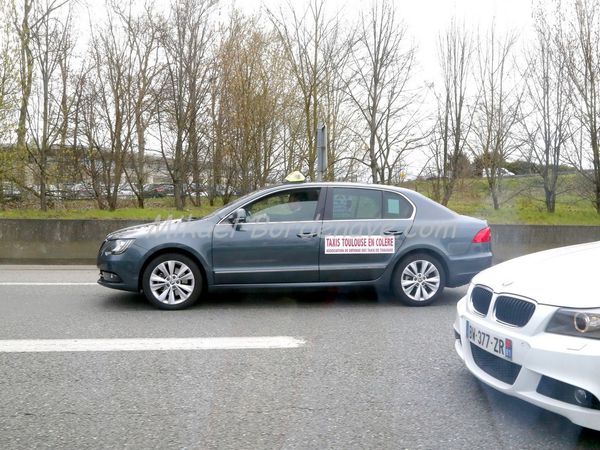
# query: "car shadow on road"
[[272, 298], [520, 414], [125, 301]]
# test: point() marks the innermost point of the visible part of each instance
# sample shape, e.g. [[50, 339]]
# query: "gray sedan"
[[302, 235]]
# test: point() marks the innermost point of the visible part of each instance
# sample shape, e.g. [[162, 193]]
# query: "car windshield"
[[220, 211]]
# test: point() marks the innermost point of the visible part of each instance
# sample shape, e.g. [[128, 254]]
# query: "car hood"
[[129, 232], [144, 229], [566, 276]]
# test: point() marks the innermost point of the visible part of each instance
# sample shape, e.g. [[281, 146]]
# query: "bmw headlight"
[[576, 322], [117, 246]]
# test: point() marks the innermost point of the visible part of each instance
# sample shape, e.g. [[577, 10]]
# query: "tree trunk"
[[26, 76], [372, 154], [141, 138], [596, 158], [550, 200], [493, 187], [448, 190], [178, 173]]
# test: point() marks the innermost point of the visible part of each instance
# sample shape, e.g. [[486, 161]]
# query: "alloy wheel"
[[420, 280], [172, 282]]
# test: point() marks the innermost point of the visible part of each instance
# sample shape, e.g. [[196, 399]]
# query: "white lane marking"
[[26, 283], [143, 344]]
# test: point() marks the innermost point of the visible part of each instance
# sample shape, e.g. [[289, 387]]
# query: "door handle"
[[307, 235], [393, 232]]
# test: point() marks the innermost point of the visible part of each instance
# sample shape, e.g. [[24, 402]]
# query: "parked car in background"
[[530, 328], [158, 190], [77, 191], [302, 235], [11, 191], [125, 191], [500, 172], [192, 190]]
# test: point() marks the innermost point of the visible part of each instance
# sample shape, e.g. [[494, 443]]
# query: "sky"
[[425, 19]]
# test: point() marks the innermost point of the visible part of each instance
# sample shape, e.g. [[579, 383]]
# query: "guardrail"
[[56, 241], [510, 241]]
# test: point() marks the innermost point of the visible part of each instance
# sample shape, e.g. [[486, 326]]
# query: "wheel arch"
[[179, 250]]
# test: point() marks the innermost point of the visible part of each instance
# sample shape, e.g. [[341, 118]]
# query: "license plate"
[[499, 346]]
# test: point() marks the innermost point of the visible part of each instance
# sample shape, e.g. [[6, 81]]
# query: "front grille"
[[514, 311], [481, 298], [495, 366]]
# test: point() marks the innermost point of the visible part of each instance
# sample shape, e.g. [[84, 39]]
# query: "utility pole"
[[321, 151]]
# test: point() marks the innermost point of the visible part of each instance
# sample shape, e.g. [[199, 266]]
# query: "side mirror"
[[238, 216]]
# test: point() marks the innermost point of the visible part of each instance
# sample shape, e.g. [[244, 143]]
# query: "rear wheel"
[[419, 280], [172, 281]]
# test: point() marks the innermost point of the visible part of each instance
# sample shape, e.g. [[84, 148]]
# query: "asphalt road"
[[372, 374]]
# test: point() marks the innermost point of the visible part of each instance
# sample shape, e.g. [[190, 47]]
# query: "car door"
[[362, 230], [277, 243]]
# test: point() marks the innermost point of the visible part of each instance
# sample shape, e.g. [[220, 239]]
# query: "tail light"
[[483, 236]]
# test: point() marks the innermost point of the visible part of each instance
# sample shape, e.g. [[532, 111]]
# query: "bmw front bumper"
[[554, 372]]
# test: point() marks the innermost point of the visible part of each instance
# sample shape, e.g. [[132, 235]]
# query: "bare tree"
[[143, 32], [310, 41], [26, 61], [378, 85], [548, 93], [26, 23], [336, 110], [112, 87], [89, 134], [454, 115], [250, 100], [8, 96], [498, 108], [49, 45], [186, 87], [8, 74], [581, 51]]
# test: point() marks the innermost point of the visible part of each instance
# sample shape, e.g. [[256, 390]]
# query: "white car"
[[530, 328], [500, 172]]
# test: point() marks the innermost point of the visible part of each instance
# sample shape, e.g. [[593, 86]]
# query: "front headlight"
[[576, 322], [117, 246]]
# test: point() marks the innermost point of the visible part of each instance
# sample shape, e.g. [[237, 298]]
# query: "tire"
[[419, 280], [172, 281]]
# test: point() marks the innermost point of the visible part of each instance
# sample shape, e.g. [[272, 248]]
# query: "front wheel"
[[172, 281], [419, 280]]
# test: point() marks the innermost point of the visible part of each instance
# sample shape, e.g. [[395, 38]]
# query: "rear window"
[[367, 204], [396, 206], [352, 204]]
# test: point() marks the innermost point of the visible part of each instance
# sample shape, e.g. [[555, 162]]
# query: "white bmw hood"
[[566, 276]]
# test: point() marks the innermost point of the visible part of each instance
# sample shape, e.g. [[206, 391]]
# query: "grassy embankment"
[[521, 198], [522, 201], [86, 209]]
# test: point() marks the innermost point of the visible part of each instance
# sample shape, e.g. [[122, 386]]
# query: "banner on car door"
[[359, 244]]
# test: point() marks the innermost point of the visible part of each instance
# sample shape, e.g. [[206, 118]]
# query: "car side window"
[[396, 206], [352, 204], [288, 206]]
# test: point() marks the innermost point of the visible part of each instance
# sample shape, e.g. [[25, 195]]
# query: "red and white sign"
[[359, 244]]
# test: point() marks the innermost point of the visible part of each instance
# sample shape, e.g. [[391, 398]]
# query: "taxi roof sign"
[[295, 177]]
